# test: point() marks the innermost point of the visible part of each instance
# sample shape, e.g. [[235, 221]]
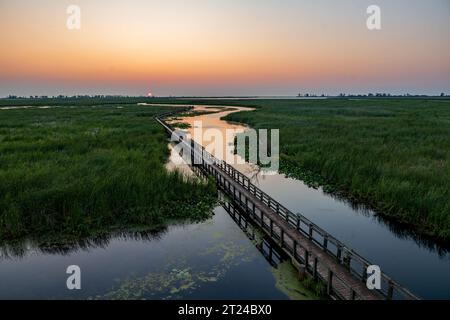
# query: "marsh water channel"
[[216, 259], [213, 259], [418, 263]]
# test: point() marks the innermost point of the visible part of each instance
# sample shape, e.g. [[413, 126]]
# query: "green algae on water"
[[287, 281]]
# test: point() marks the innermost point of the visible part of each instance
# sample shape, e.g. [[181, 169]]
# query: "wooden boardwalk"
[[311, 249], [340, 283]]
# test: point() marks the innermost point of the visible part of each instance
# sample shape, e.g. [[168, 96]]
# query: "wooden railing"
[[354, 263]]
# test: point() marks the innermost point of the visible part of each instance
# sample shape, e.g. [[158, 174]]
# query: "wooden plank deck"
[[326, 258], [344, 285]]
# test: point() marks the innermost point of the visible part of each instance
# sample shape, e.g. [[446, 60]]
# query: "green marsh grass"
[[393, 154], [77, 170]]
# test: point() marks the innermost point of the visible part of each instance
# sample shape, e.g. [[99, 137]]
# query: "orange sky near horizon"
[[218, 44]]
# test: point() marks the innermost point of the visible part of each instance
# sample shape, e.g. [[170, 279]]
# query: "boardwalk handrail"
[[354, 263]]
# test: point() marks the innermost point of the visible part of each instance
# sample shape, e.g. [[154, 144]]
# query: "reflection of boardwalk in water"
[[271, 252], [319, 253]]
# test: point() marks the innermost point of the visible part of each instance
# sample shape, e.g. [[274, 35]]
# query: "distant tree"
[[442, 94]]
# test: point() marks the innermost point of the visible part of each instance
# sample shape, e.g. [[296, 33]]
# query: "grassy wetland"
[[75, 169], [392, 154], [78, 169]]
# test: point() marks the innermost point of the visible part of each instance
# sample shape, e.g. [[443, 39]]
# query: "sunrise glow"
[[223, 47]]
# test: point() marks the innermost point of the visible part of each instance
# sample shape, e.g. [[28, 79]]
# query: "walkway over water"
[[311, 249]]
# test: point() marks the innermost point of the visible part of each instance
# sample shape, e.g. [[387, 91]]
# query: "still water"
[[215, 259], [419, 264], [210, 260]]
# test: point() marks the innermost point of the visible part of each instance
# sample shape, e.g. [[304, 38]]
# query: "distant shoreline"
[[356, 96]]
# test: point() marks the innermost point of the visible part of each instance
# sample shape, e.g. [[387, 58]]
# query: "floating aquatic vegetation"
[[174, 284], [231, 252], [287, 281], [179, 278]]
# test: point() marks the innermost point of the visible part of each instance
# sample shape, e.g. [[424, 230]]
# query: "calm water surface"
[[215, 259], [421, 265], [210, 260]]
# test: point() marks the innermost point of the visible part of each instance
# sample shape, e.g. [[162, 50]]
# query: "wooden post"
[[203, 156], [347, 261], [271, 228], [192, 153], [339, 253], [364, 275], [330, 282], [390, 293], [325, 242], [306, 259], [315, 268], [282, 238], [294, 250]]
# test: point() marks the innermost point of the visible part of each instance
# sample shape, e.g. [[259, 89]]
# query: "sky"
[[224, 47]]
